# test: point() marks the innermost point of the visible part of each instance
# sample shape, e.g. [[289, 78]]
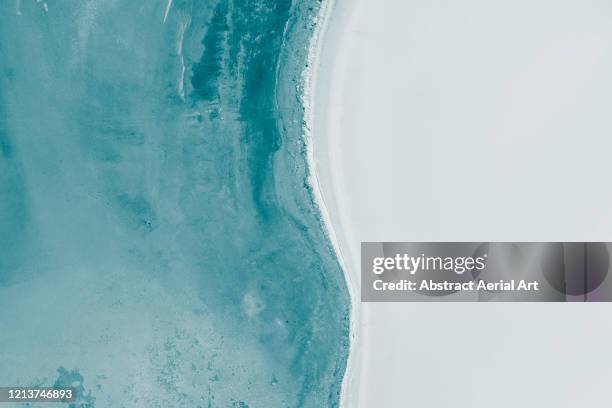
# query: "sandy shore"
[[315, 102], [447, 122]]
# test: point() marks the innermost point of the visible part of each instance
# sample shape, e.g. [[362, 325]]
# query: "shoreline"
[[310, 77]]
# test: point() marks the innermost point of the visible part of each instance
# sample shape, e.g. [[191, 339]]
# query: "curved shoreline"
[[308, 100], [395, 77]]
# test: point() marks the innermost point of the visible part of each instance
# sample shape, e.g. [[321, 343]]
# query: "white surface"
[[473, 120]]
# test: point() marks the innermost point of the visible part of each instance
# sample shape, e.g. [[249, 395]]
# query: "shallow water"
[[159, 245]]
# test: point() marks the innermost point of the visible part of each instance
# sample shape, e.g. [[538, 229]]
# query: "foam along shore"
[[467, 121]]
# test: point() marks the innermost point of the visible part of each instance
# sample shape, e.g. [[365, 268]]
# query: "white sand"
[[473, 120]]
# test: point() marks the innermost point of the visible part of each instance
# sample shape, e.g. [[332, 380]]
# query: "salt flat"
[[473, 120]]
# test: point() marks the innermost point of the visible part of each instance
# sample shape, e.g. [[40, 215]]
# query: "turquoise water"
[[159, 245]]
